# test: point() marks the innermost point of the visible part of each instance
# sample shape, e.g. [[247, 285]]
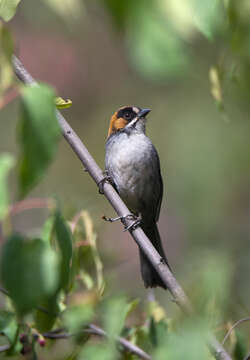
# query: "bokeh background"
[[189, 62]]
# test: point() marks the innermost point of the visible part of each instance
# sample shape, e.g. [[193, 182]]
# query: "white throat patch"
[[133, 122]]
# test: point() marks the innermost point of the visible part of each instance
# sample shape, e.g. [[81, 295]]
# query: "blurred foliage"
[[240, 348], [6, 163], [69, 10], [33, 276], [54, 282], [6, 50], [38, 133], [8, 8]]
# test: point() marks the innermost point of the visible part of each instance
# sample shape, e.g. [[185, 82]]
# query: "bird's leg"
[[112, 219], [106, 178], [137, 220]]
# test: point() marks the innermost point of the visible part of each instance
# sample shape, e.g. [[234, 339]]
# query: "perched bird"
[[132, 163]]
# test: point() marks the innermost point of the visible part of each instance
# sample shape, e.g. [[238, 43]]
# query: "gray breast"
[[134, 168]]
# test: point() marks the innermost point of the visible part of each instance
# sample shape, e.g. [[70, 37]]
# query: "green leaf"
[[157, 332], [38, 135], [97, 352], [8, 8], [8, 325], [207, 16], [77, 316], [6, 162], [46, 314], [29, 271], [141, 338], [115, 315], [240, 349], [155, 48], [6, 51], [64, 241], [47, 229], [187, 343]]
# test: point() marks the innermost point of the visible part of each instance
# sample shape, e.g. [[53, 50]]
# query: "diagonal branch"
[[122, 210], [95, 330], [113, 197], [127, 345]]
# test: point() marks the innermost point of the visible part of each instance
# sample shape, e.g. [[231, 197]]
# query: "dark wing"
[[160, 192], [151, 204]]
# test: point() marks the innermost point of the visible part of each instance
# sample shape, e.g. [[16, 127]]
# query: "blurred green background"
[[189, 62]]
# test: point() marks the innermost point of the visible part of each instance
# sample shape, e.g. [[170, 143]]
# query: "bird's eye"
[[127, 116]]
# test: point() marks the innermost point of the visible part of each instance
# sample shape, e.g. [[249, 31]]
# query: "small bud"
[[42, 341]]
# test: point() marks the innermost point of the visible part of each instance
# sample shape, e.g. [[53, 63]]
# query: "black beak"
[[143, 113]]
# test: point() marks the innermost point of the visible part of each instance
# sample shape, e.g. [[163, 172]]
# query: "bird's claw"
[[101, 183], [137, 221], [133, 226]]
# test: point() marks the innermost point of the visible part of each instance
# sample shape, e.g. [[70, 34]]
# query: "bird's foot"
[[135, 223], [105, 179]]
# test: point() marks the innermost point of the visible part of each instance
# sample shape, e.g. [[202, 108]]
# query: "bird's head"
[[128, 117]]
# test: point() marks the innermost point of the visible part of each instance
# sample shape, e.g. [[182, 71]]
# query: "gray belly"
[[133, 169]]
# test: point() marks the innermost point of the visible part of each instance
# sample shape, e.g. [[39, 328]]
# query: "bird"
[[132, 165]]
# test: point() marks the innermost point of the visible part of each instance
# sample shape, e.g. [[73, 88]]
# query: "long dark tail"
[[149, 274]]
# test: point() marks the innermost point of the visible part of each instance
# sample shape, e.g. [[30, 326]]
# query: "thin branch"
[[4, 347], [142, 241], [95, 330], [57, 335], [30, 204], [233, 327]]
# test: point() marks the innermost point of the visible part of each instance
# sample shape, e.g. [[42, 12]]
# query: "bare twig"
[[233, 327], [127, 345], [122, 210], [92, 330], [57, 335], [4, 347], [30, 204], [95, 330]]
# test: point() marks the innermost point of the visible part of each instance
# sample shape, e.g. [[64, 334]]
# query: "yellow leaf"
[[62, 104]]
